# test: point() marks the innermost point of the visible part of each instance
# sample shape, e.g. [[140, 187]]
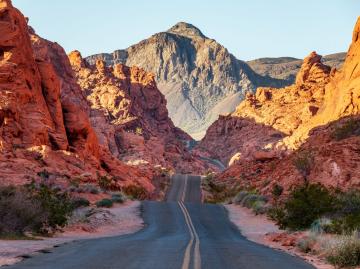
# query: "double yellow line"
[[193, 235]]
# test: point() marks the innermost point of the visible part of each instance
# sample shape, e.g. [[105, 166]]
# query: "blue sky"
[[249, 29]]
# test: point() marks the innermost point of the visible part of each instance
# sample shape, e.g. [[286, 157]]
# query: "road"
[[180, 233]]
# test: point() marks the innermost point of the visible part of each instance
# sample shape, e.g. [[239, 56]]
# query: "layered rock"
[[44, 118], [199, 77], [137, 128], [271, 114], [328, 142]]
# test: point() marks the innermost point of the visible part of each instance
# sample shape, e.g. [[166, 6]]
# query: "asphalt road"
[[180, 233]]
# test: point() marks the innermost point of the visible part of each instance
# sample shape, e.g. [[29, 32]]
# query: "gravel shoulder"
[[119, 220], [259, 229]]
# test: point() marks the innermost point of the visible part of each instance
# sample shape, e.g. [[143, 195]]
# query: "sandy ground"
[[257, 228], [119, 220]]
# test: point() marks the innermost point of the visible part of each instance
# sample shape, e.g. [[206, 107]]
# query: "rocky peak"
[[76, 59], [312, 69], [186, 29]]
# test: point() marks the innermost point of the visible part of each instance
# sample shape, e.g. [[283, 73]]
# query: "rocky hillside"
[[83, 125], [320, 141], [199, 77], [265, 118], [286, 68], [136, 127]]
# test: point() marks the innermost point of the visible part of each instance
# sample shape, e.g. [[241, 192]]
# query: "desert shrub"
[[89, 188], [305, 204], [321, 225], [104, 182], [306, 244], [277, 190], [104, 203], [304, 162], [19, 212], [44, 174], [251, 199], [347, 129], [347, 216], [118, 198], [56, 204], [260, 207], [80, 202], [240, 197], [345, 252], [135, 192]]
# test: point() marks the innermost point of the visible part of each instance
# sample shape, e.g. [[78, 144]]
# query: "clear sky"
[[249, 29]]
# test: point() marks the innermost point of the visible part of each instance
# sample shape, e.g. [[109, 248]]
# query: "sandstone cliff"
[[199, 77], [136, 127], [321, 124], [44, 117], [270, 114]]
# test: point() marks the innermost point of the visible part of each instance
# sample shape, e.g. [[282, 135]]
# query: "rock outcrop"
[[286, 68], [44, 116], [327, 138], [271, 114], [199, 77], [136, 127]]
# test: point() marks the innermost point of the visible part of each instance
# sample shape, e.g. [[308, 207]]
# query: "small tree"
[[304, 162]]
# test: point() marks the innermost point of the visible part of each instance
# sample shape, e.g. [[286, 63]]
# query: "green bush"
[[306, 244], [347, 129], [19, 212], [304, 162], [260, 207], [104, 203], [118, 198], [347, 216], [345, 253], [55, 203], [104, 182], [305, 204], [37, 208], [277, 190], [251, 199], [80, 202]]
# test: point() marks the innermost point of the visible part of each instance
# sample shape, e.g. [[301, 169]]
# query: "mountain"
[[199, 77], [286, 68]]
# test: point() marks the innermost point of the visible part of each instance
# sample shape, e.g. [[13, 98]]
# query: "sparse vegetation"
[[104, 182], [104, 203], [219, 193], [350, 128], [345, 252], [80, 202], [135, 192], [37, 208], [277, 190], [251, 200], [118, 198], [304, 162], [305, 204]]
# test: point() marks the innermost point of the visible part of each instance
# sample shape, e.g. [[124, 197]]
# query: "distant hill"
[[286, 68]]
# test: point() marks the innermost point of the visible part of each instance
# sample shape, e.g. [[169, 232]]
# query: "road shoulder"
[[259, 229], [119, 220]]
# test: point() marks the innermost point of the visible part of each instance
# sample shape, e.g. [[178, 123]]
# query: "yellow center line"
[[193, 235]]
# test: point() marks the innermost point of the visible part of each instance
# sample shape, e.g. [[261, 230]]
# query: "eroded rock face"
[[328, 136], [136, 128], [272, 114], [44, 116]]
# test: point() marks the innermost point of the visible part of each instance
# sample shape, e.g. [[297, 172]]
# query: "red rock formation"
[[328, 136], [44, 117], [136, 128], [270, 115]]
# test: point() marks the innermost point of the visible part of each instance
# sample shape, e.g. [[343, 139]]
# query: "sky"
[[248, 29]]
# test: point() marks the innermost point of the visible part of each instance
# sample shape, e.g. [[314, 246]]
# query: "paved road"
[[181, 233]]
